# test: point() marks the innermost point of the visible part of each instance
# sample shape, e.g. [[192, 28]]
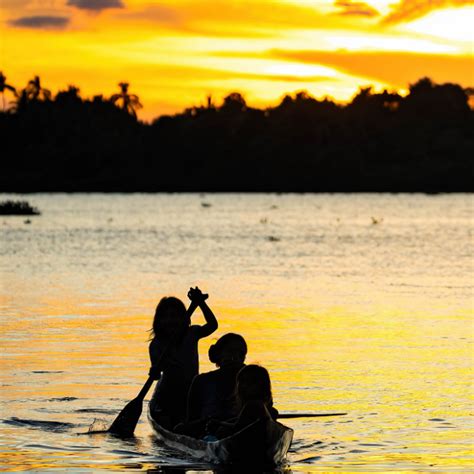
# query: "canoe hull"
[[265, 442]]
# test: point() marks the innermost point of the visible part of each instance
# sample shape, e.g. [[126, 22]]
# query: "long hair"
[[170, 315], [253, 384]]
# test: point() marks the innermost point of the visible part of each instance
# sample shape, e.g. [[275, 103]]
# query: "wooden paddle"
[[308, 415], [125, 423]]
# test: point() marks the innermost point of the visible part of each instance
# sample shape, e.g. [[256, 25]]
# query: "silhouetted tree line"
[[377, 142]]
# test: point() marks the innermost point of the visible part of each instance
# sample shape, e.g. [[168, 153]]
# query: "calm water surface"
[[355, 303]]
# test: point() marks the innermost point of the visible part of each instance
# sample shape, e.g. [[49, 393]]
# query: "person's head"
[[253, 384], [230, 348], [170, 317]]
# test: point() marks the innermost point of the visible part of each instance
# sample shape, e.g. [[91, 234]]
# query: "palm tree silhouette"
[[128, 102], [34, 91], [3, 87]]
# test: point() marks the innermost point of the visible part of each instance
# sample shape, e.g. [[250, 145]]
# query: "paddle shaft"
[[145, 388], [308, 415]]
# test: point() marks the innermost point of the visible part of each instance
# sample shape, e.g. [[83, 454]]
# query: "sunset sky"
[[176, 52]]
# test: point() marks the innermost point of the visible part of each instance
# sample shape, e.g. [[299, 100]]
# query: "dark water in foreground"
[[355, 303]]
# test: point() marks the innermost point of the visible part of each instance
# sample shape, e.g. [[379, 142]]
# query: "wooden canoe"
[[263, 443]]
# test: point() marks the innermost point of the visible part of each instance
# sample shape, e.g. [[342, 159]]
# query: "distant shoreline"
[[379, 143], [428, 193]]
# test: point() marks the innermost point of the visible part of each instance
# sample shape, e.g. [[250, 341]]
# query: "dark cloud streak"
[[156, 14], [350, 8], [40, 22], [95, 5]]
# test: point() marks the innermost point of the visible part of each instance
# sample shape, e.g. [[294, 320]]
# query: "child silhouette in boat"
[[254, 399]]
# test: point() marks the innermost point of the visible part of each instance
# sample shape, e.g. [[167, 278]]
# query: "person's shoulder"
[[202, 382], [212, 373], [206, 377], [199, 380]]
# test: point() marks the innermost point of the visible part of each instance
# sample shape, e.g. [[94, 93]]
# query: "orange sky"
[[175, 52]]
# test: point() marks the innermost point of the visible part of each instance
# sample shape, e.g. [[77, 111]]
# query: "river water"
[[355, 303]]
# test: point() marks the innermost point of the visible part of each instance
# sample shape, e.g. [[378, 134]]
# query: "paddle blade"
[[125, 423]]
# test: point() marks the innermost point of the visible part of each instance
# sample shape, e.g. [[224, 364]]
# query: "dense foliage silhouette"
[[17, 208], [377, 142]]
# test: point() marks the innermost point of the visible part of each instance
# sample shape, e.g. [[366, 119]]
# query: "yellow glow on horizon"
[[299, 70], [175, 53], [383, 6], [454, 24], [360, 42]]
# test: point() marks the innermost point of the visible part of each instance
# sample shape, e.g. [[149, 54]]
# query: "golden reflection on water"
[[400, 368], [398, 359]]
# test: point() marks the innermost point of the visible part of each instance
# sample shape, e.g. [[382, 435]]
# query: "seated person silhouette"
[[254, 398], [213, 394]]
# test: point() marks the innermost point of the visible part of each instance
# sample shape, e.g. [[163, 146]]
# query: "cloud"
[[351, 8], [154, 13], [192, 22], [7, 4], [95, 5], [163, 13], [288, 78], [204, 74], [256, 19], [397, 69], [40, 22], [408, 10]]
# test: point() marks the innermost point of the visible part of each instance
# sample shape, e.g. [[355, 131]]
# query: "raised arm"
[[199, 298]]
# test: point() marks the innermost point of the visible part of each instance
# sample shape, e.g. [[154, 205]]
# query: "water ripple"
[[46, 425]]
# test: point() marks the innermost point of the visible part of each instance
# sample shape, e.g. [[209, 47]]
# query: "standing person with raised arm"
[[174, 354]]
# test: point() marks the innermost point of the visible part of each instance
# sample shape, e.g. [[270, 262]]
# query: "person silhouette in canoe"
[[254, 399], [213, 394], [174, 354]]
